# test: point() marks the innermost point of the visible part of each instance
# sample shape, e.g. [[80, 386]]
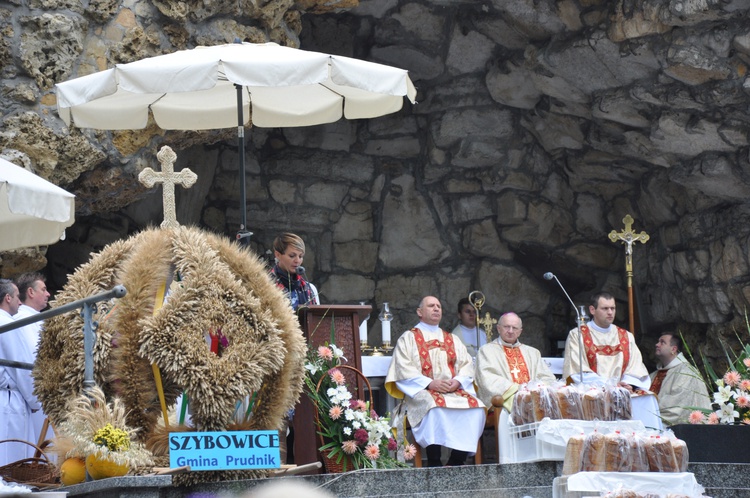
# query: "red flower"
[[392, 445], [361, 436]]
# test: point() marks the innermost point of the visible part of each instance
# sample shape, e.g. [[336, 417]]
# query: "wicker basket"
[[331, 465], [38, 472]]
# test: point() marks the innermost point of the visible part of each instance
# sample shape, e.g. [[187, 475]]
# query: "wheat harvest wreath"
[[213, 284]]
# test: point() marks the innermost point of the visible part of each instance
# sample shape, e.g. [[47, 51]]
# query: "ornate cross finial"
[[628, 237], [169, 179], [487, 322]]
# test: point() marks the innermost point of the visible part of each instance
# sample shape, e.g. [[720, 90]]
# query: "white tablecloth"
[[375, 366]]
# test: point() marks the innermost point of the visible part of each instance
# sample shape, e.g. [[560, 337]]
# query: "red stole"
[[658, 379], [519, 371], [424, 347], [592, 349]]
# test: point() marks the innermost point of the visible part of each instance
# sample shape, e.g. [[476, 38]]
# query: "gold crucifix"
[[168, 178], [628, 237], [487, 322]]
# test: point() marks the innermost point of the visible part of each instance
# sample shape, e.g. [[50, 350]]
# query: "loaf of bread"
[[617, 457], [569, 399], [594, 453], [523, 408], [620, 405], [660, 454], [573, 454], [638, 457], [545, 403], [594, 404], [680, 454]]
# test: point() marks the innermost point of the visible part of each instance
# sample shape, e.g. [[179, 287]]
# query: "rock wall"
[[540, 125]]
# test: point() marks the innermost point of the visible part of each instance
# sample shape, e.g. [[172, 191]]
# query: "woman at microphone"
[[289, 250]]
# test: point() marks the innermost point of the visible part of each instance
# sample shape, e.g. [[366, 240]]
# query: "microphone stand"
[[579, 323]]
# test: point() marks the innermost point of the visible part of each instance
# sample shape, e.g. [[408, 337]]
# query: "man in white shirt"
[[32, 290], [17, 399], [434, 375], [467, 329], [609, 352]]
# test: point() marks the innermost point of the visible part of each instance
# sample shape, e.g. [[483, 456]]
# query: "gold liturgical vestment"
[[433, 355], [501, 369]]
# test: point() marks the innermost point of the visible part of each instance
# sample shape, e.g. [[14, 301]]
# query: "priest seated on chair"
[[434, 375], [504, 364]]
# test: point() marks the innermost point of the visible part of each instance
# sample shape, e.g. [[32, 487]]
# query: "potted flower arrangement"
[[721, 433], [352, 434]]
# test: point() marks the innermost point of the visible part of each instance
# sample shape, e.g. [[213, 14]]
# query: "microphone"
[[550, 276], [301, 270]]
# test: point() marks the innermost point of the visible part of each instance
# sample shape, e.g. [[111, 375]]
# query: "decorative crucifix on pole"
[[169, 179], [628, 237]]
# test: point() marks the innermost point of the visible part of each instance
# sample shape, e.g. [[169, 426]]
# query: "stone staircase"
[[521, 480]]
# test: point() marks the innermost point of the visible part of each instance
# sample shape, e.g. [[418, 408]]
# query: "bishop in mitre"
[[504, 364]]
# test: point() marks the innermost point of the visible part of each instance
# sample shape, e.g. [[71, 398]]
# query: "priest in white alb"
[[17, 400], [504, 364], [434, 375], [609, 352]]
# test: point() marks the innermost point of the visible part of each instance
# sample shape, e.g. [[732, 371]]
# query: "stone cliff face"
[[540, 125]]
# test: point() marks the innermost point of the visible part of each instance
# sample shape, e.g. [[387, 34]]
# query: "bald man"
[[504, 364], [434, 375]]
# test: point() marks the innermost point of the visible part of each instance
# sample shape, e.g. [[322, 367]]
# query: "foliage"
[[732, 396], [350, 429]]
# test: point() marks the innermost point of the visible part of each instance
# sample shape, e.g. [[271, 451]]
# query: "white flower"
[[356, 424], [728, 414], [337, 353], [723, 394], [349, 414], [348, 431], [313, 369]]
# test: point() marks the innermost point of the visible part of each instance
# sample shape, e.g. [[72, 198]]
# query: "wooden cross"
[[168, 178], [628, 237]]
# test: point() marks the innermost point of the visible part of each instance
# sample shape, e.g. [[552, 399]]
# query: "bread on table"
[[569, 400], [660, 454], [594, 453], [573, 454], [545, 403]]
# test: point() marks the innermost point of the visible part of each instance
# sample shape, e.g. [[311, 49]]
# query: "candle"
[[386, 331], [363, 332]]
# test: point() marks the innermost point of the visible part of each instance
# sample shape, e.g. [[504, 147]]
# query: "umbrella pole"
[[243, 235]]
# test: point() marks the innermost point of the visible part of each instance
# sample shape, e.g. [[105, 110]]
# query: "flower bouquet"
[[732, 396], [352, 434], [95, 436]]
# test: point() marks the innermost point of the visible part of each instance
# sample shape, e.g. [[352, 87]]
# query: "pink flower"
[[374, 415], [696, 417], [713, 419], [745, 385], [335, 412], [746, 361], [338, 377], [392, 445], [361, 436], [410, 451], [743, 401], [732, 378], [325, 353], [349, 447], [361, 405], [372, 452]]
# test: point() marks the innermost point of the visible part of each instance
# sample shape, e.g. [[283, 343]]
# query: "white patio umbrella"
[[222, 86], [33, 211]]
